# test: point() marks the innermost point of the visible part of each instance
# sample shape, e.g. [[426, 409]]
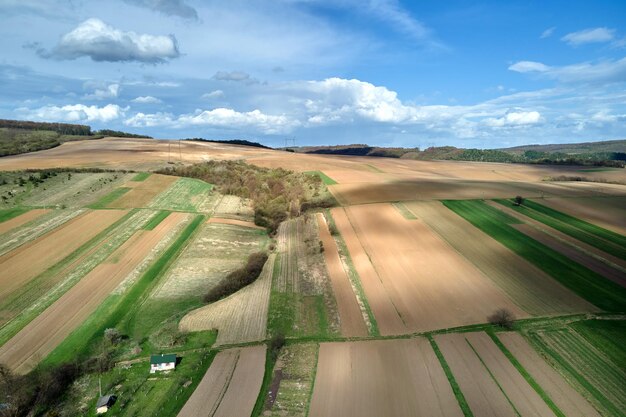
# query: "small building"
[[162, 362], [104, 403]]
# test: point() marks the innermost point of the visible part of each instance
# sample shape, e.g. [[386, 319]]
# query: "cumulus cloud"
[[515, 118], [146, 100], [101, 42], [110, 91], [74, 113], [213, 94], [608, 71], [220, 118], [595, 35], [168, 7]]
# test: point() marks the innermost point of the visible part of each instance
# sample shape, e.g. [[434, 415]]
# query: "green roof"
[[157, 359]]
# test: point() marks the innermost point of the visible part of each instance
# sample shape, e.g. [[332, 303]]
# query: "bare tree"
[[503, 318]]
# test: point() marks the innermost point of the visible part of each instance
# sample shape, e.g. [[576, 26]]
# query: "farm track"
[[31, 259], [50, 328], [381, 378], [239, 318], [532, 289], [22, 219], [350, 316], [567, 399], [230, 386]]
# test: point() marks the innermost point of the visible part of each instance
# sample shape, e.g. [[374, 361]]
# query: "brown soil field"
[[423, 275], [386, 313], [597, 265], [606, 212], [235, 222], [350, 316], [43, 334], [239, 318], [532, 289], [142, 192], [22, 219], [231, 385], [29, 260], [381, 378], [490, 383], [564, 396], [562, 237]]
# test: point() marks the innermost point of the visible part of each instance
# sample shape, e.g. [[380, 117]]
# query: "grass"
[[325, 178], [109, 198], [591, 286], [186, 194], [116, 307], [609, 336], [156, 220], [467, 412], [406, 213], [596, 236], [531, 381], [142, 176], [8, 214], [270, 361]]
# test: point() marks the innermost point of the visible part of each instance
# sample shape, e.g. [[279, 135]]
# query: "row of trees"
[[61, 128]]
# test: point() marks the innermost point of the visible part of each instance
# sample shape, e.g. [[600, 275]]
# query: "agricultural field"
[[187, 194], [233, 207], [606, 212]]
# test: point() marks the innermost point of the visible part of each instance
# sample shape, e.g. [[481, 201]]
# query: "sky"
[[485, 74]]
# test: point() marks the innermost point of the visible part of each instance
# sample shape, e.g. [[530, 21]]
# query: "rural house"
[[104, 403], [162, 362]]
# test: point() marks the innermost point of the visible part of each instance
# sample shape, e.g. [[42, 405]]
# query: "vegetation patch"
[[156, 220], [406, 213], [142, 176], [238, 278], [109, 198], [589, 285], [8, 214], [325, 178], [187, 194]]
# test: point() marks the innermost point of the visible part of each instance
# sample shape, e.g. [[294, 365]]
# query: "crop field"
[[302, 300], [377, 378], [233, 207], [527, 285], [489, 381], [231, 385], [606, 212], [239, 318], [186, 194], [422, 274], [23, 217], [141, 193]]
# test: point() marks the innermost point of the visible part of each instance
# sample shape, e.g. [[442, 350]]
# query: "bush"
[[238, 279], [276, 344], [518, 200], [112, 336], [503, 318]]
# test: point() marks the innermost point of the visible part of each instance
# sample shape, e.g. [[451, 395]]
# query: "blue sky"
[[382, 72]]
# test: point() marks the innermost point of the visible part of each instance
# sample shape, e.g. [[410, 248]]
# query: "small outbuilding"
[[104, 403], [162, 362]]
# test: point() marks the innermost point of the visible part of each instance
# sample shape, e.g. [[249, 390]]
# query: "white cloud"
[[529, 66], [547, 33], [237, 76], [595, 35], [101, 42], [74, 113], [219, 118], [110, 91], [515, 118], [146, 100], [213, 94], [169, 7]]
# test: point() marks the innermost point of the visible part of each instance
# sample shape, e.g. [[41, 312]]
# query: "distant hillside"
[[22, 136], [609, 153], [241, 142]]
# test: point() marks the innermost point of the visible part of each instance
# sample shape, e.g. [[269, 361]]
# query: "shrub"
[[238, 278], [112, 335], [518, 200], [276, 344], [503, 318]]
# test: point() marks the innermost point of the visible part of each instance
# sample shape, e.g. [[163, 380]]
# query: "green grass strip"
[[8, 214], [588, 284], [142, 176], [109, 198], [110, 313], [531, 381], [605, 240], [406, 213], [313, 376], [467, 412], [325, 178], [608, 336], [265, 386], [157, 219]]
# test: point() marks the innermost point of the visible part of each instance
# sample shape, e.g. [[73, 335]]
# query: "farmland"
[[358, 307]]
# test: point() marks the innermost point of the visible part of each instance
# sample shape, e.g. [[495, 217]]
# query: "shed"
[[162, 362], [104, 403]]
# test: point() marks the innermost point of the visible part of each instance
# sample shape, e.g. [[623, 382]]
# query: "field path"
[[37, 339], [239, 318], [387, 317], [350, 315], [29, 260], [532, 289], [564, 396], [22, 219], [231, 385], [381, 378]]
